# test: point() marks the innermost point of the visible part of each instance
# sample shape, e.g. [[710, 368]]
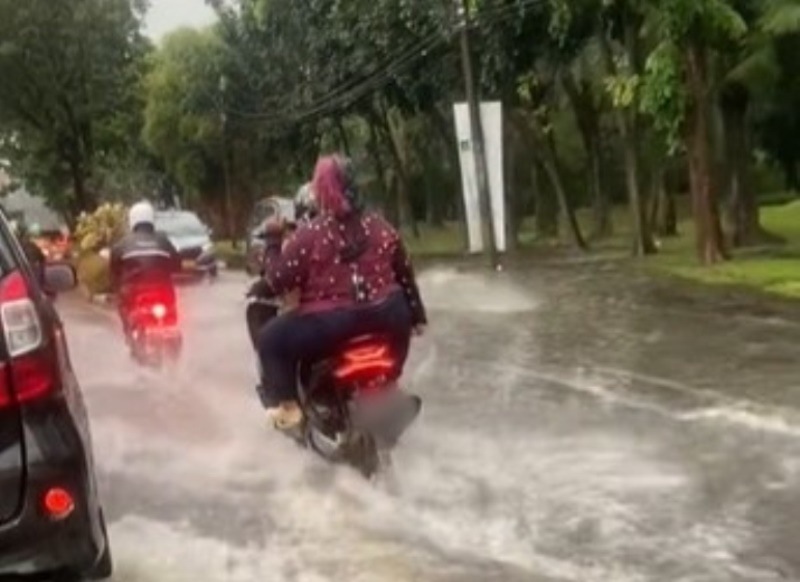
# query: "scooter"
[[154, 337], [353, 412]]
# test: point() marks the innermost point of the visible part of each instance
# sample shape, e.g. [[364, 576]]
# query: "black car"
[[51, 520], [192, 239]]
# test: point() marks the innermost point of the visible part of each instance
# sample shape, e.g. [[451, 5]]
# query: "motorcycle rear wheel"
[[367, 457]]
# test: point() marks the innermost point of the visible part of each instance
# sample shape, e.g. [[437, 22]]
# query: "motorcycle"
[[353, 413], [154, 336]]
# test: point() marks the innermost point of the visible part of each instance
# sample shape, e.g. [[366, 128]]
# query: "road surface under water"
[[578, 425]]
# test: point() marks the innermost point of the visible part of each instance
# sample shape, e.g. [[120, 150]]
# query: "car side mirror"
[[59, 278]]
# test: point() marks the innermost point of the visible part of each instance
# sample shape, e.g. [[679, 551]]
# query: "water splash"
[[448, 289]]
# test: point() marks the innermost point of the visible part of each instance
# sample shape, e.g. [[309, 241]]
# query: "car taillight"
[[58, 503], [29, 374]]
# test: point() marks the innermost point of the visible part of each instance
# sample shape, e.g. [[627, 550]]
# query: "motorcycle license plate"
[[188, 264]]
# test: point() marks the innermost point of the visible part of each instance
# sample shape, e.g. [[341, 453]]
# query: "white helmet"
[[141, 213]]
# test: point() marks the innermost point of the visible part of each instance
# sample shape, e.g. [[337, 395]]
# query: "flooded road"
[[578, 426]]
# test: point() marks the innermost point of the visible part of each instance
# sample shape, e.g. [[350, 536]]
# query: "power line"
[[338, 99]]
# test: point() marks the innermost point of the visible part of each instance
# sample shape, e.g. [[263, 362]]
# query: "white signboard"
[[492, 122]]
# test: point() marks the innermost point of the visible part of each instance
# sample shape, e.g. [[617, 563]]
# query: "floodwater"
[[580, 424]]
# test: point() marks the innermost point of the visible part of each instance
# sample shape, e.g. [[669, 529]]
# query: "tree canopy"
[[621, 101], [68, 95]]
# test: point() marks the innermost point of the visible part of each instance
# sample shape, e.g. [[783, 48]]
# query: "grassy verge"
[[234, 258], [769, 269]]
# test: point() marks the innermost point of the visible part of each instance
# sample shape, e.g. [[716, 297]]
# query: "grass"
[[773, 270]]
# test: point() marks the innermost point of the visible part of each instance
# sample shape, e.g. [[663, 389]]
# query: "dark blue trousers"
[[290, 338]]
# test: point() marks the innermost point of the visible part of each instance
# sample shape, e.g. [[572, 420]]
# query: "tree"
[[69, 76], [182, 119], [679, 94], [623, 50], [776, 114]]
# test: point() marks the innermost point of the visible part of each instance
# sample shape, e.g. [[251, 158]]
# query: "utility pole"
[[476, 131]]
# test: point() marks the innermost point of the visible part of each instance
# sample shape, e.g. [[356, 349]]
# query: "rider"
[[34, 254], [353, 276], [142, 259]]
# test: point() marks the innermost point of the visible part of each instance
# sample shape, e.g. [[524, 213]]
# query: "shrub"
[[94, 232], [94, 274], [100, 229]]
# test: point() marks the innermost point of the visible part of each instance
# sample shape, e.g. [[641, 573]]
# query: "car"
[[51, 516], [254, 245], [55, 245], [192, 239]]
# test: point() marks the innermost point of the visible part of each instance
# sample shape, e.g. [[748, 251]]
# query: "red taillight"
[[29, 374], [366, 361], [58, 503], [155, 306]]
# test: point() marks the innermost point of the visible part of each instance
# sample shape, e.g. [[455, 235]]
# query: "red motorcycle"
[[354, 413], [154, 336]]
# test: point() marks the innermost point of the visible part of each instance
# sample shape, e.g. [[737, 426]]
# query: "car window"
[[261, 212]]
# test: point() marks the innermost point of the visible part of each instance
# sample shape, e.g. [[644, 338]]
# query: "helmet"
[[141, 213], [305, 204]]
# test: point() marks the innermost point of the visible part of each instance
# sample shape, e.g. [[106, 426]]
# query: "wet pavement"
[[580, 424]]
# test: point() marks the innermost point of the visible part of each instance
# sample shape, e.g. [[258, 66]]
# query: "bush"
[[94, 274], [94, 232], [100, 229]]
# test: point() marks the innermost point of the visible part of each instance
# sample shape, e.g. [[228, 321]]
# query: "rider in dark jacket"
[[143, 259]]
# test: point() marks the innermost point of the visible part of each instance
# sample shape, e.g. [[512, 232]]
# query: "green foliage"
[[183, 116], [663, 94], [712, 21], [101, 228], [69, 72], [623, 90]]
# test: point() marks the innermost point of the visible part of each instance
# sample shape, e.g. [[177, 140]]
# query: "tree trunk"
[[343, 141], [84, 199], [549, 159], [546, 206], [447, 134], [396, 149], [710, 245], [643, 243], [587, 116], [743, 214], [790, 175], [663, 210], [511, 196], [601, 207], [380, 169], [628, 122]]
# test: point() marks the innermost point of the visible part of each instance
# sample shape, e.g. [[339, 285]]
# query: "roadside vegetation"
[[654, 128]]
